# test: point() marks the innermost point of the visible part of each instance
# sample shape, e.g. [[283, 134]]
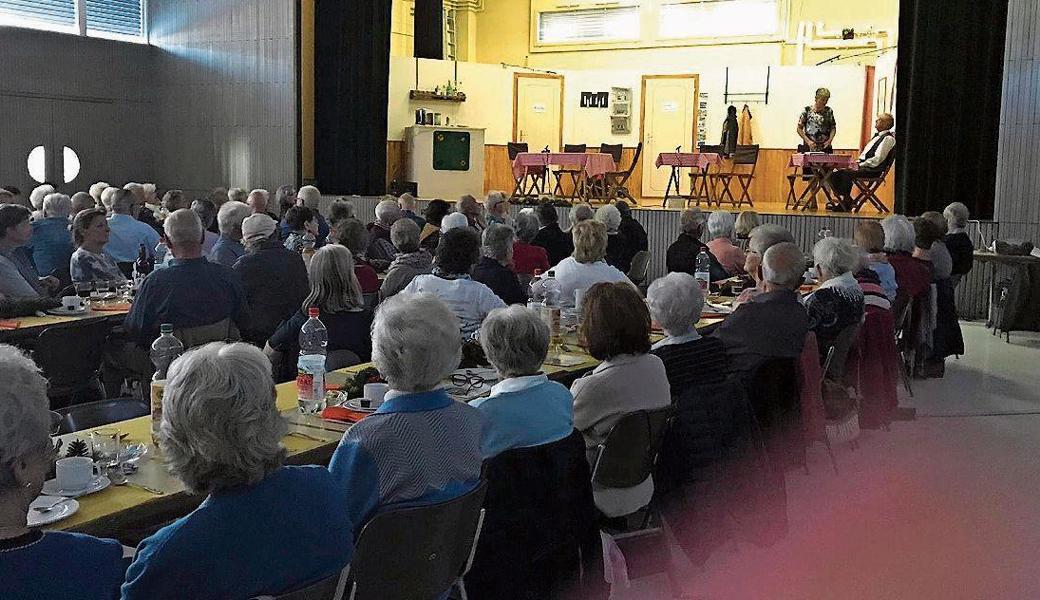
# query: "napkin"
[[9, 324], [343, 414]]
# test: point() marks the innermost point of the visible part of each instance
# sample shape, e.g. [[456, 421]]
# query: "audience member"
[[18, 277], [410, 261], [37, 563], [139, 197], [259, 202], [615, 328], [772, 324], [617, 245], [472, 210], [407, 204], [237, 194], [264, 528], [207, 214], [127, 234], [675, 302], [838, 303], [339, 211], [284, 197], [527, 258], [95, 191], [10, 194], [90, 262], [469, 300], [586, 266], [430, 234], [682, 254], [746, 222], [497, 207], [581, 212], [493, 270], [228, 247], [936, 251], [37, 196], [82, 201], [633, 233], [191, 292], [524, 409], [303, 229], [273, 277], [557, 244], [762, 238], [174, 200], [51, 243], [310, 197], [913, 276], [962, 251], [455, 220], [721, 246], [352, 234], [870, 238], [415, 346], [380, 248]]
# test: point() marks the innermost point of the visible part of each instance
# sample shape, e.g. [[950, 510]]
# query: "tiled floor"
[[944, 507]]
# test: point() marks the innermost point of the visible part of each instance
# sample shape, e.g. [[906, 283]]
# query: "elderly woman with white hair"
[[682, 253], [228, 247], [90, 263], [524, 409], [675, 302], [37, 563], [587, 266], [720, 242], [264, 528], [415, 347], [51, 243], [470, 300], [494, 268], [380, 247], [37, 196], [95, 191], [958, 243], [410, 261], [838, 303], [453, 220], [913, 276], [581, 212], [528, 258], [619, 254], [497, 207]]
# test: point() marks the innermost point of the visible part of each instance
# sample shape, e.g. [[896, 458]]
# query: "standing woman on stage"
[[816, 125]]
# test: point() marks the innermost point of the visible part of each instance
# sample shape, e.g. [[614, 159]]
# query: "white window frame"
[[79, 25]]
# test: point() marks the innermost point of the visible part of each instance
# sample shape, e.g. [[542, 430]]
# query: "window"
[[70, 162], [589, 25], [119, 19], [37, 164], [718, 19]]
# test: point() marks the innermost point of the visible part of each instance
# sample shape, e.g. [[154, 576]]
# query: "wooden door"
[[538, 110], [669, 121]]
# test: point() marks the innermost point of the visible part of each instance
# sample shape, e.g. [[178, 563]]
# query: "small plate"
[[61, 311], [35, 518], [355, 404], [100, 482]]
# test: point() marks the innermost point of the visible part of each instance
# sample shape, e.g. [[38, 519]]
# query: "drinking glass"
[[95, 294], [83, 289], [106, 445]]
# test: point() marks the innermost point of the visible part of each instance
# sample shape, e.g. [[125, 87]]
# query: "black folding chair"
[[572, 173], [102, 412], [869, 182], [744, 156], [531, 180], [417, 553], [70, 357], [702, 181], [330, 588]]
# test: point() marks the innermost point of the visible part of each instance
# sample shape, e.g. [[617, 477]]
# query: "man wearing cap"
[[274, 278]]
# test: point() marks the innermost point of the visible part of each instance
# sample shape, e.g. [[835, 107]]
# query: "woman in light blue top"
[[525, 408]]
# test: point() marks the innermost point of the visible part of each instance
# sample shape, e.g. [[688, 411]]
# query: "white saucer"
[[61, 311], [35, 518], [50, 487], [355, 404]]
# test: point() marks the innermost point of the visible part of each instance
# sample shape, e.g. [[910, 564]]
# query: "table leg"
[[673, 177]]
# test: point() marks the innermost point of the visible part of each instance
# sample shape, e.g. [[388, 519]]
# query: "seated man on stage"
[[871, 160]]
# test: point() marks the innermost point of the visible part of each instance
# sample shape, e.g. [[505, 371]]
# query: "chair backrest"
[[613, 150], [70, 356], [514, 148], [417, 552], [746, 155], [103, 412], [835, 369], [710, 149], [341, 359], [371, 300], [575, 148], [628, 455], [330, 588], [640, 265], [632, 166], [221, 331]]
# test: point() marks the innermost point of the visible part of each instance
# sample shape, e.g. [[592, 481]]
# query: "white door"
[[669, 119], [537, 99]]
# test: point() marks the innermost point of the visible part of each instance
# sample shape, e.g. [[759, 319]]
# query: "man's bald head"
[[783, 266]]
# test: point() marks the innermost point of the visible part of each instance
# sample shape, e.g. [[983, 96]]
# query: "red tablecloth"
[[595, 164], [836, 161], [701, 160]]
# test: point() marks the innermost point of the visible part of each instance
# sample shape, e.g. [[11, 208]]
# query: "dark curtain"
[[351, 75], [949, 81], [429, 29]]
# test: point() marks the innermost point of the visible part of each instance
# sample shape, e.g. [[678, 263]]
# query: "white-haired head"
[[515, 340], [581, 212], [38, 194], [258, 200], [24, 426], [118, 201], [106, 197], [609, 215], [720, 225], [835, 257], [57, 205], [220, 426], [899, 234], [452, 221], [230, 217], [496, 204], [404, 235], [746, 221], [415, 341], [237, 194], [96, 190], [388, 212], [81, 201], [783, 266], [497, 243], [406, 201], [692, 222], [675, 302], [183, 229], [766, 236], [957, 215], [310, 196], [526, 225]]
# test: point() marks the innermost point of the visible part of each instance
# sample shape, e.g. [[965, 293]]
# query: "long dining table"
[[20, 328], [131, 511]]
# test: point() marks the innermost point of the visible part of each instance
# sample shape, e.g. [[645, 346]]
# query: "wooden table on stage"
[[821, 166], [692, 160], [20, 328], [591, 165]]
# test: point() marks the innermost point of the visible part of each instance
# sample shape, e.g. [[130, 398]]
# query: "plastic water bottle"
[[537, 293], [702, 272], [310, 368], [165, 349], [550, 312]]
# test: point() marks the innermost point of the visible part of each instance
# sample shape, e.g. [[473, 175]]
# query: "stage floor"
[[762, 208]]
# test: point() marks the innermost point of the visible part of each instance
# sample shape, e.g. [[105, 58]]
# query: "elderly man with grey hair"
[[127, 234], [192, 293], [838, 302], [410, 261], [237, 194], [415, 346], [380, 247], [260, 201], [310, 197], [221, 435], [682, 253], [408, 203], [772, 324], [39, 563], [51, 243], [497, 207], [720, 242], [229, 246], [82, 201], [690, 359], [524, 409], [493, 269], [473, 211]]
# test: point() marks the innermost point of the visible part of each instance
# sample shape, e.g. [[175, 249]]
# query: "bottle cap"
[[312, 312], [166, 328]]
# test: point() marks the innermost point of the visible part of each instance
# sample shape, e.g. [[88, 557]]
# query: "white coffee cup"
[[374, 393], [72, 303], [74, 473]]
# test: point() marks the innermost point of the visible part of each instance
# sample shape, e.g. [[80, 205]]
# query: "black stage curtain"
[[351, 75], [429, 29], [949, 81]]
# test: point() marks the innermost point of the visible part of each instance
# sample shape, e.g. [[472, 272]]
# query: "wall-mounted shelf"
[[428, 95]]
